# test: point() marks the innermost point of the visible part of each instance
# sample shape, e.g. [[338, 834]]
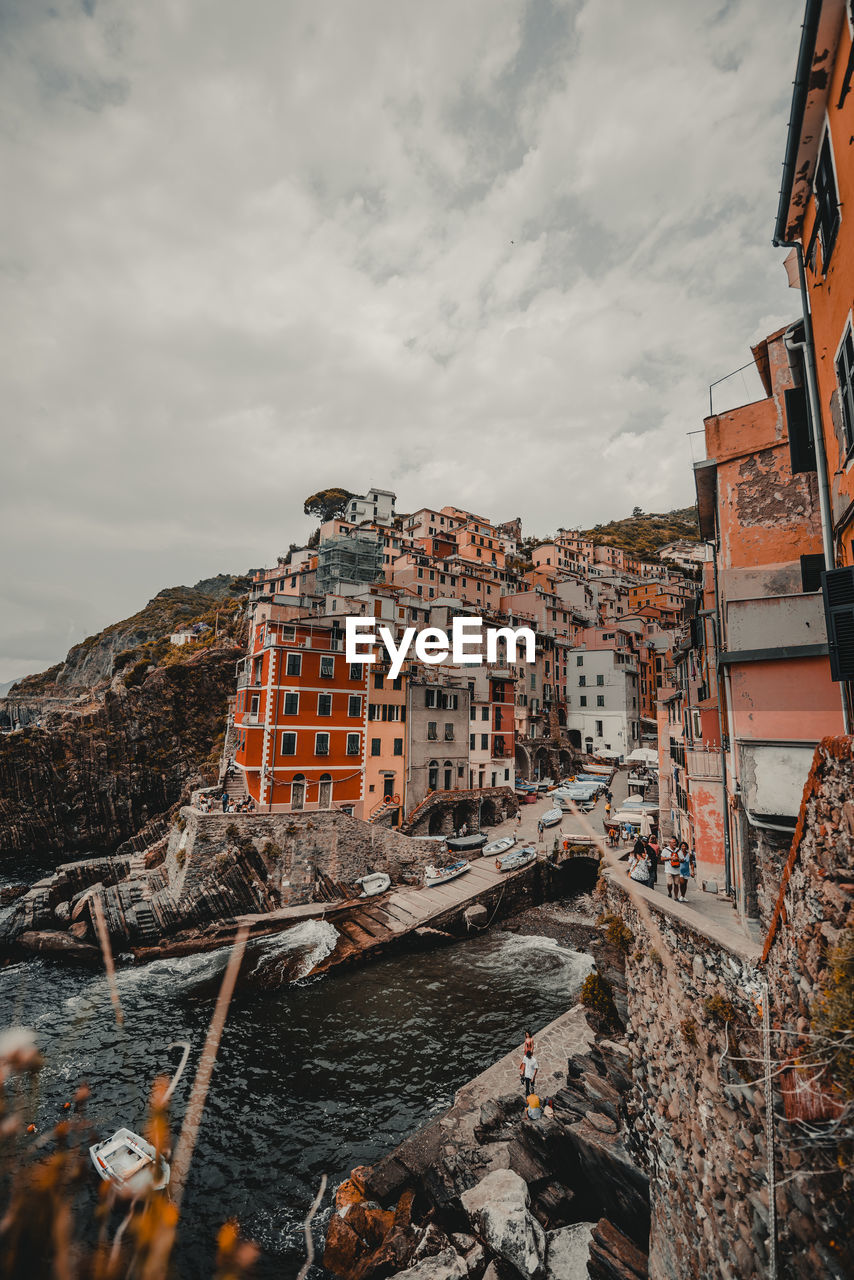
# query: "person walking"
[[639, 867], [672, 862], [528, 1069], [652, 855], [528, 1046], [687, 867], [518, 818], [540, 829], [225, 802]]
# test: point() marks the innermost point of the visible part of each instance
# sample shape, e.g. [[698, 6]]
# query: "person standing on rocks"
[[528, 1069]]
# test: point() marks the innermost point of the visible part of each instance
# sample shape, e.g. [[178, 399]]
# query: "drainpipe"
[[716, 630], [807, 349]]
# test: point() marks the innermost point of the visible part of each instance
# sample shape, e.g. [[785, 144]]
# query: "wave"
[[509, 951]]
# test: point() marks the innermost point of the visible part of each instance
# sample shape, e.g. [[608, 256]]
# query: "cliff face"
[[90, 778]]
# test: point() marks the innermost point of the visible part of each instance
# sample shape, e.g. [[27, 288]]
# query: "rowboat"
[[130, 1162], [552, 817], [373, 884], [441, 875], [499, 846], [463, 844], [517, 858]]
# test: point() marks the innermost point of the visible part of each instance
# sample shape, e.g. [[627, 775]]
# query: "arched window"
[[298, 792], [449, 775], [324, 796], [433, 775]]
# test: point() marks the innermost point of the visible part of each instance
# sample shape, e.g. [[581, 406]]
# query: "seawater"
[[315, 1076]]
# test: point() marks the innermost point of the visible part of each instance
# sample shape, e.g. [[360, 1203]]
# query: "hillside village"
[[312, 731]]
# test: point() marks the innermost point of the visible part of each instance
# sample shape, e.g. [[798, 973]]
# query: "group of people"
[[528, 1069], [677, 859], [229, 804]]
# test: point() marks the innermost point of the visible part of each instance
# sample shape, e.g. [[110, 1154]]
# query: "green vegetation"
[[688, 1028], [643, 533], [617, 932], [718, 1009], [326, 504], [833, 1016], [597, 994]]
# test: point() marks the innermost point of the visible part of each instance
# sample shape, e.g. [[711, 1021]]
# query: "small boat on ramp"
[[441, 875], [552, 817], [516, 858], [498, 846]]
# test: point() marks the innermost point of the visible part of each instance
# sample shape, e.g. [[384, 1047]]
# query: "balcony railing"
[[704, 764]]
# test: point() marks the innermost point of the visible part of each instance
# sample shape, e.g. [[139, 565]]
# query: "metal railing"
[[703, 764]]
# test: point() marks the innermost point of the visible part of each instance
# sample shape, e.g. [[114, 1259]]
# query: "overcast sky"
[[488, 252]]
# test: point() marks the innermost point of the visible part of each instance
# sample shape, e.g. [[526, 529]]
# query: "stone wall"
[[300, 845], [698, 1101]]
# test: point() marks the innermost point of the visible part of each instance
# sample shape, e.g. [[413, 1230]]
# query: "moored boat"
[[462, 844], [552, 817], [441, 875], [373, 884], [499, 846], [517, 858], [130, 1162]]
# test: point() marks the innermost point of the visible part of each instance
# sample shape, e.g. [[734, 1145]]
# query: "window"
[[376, 746], [430, 697], [449, 732], [354, 705], [352, 744], [397, 682], [327, 666], [600, 699], [374, 711], [433, 775], [598, 728], [356, 670], [321, 744], [253, 706], [845, 378], [324, 704], [471, 741], [291, 704], [583, 700], [582, 681], [484, 742], [600, 679], [378, 680], [472, 712], [826, 201], [398, 747], [289, 744], [432, 731], [293, 664]]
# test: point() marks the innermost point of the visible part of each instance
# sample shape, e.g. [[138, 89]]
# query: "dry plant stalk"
[[309, 1241], [107, 953], [199, 1093]]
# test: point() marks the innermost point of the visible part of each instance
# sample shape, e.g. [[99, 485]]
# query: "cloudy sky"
[[489, 253]]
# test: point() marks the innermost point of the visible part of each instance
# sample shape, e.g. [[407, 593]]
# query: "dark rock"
[[613, 1256], [48, 942]]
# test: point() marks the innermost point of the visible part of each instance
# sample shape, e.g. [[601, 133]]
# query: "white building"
[[603, 700], [376, 505]]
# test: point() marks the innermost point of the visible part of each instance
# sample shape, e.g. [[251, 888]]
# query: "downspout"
[[717, 636]]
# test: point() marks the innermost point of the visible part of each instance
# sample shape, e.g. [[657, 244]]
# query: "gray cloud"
[[492, 253]]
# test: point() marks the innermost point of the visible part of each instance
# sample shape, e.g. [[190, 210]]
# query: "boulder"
[[613, 1256], [447, 1265], [497, 1208], [49, 942], [567, 1250]]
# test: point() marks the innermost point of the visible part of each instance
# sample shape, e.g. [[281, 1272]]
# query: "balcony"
[[704, 764]]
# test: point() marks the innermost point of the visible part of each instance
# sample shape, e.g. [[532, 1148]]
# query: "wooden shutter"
[[838, 589], [801, 443]]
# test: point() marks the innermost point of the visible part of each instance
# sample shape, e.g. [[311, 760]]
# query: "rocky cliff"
[[88, 778]]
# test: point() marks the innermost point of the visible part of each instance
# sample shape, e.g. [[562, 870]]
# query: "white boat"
[[552, 817], [517, 858], [499, 846], [373, 884], [440, 875], [130, 1162]]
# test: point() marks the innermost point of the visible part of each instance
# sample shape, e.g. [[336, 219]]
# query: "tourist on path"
[[225, 801], [687, 867], [528, 1069], [518, 819], [639, 869], [672, 863], [540, 829], [528, 1046], [653, 855]]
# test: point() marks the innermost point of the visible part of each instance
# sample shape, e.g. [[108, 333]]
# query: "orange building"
[[300, 717]]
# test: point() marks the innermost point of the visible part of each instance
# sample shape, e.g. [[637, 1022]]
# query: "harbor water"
[[313, 1076]]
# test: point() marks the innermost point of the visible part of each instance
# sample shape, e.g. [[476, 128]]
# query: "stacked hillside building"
[[313, 731]]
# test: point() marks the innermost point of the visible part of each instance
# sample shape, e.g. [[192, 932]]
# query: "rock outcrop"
[[498, 1210], [89, 779]]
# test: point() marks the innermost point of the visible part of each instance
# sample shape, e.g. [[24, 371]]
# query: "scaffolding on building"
[[349, 558]]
